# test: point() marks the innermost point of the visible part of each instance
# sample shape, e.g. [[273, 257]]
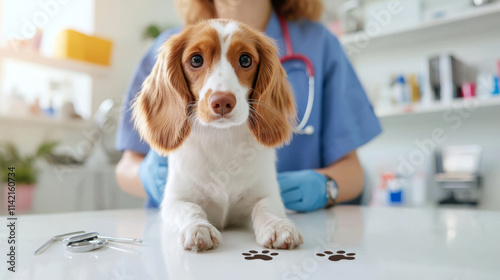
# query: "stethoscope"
[[309, 70], [79, 242]]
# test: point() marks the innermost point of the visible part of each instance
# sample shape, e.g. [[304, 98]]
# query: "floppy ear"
[[273, 116], [160, 111]]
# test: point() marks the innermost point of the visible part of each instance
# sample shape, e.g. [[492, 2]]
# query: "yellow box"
[[76, 45]]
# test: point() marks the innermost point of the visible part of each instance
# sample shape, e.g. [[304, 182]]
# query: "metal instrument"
[[55, 239], [80, 241]]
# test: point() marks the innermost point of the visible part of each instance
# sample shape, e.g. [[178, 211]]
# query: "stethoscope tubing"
[[290, 55]]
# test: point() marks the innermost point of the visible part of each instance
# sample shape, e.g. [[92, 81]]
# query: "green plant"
[[24, 166], [152, 31]]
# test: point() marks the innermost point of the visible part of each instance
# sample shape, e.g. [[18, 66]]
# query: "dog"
[[218, 102]]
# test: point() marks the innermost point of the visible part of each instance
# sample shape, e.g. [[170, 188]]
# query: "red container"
[[469, 90], [498, 65]]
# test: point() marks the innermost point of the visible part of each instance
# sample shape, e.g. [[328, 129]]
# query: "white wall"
[[124, 22], [52, 16]]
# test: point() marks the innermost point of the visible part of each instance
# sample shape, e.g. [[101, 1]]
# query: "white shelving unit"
[[46, 122], [80, 67], [67, 65], [435, 107], [474, 16], [57, 63], [469, 23]]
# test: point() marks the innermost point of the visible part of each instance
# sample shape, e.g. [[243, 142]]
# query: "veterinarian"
[[317, 169]]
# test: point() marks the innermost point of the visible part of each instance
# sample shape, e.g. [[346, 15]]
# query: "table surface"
[[389, 243]]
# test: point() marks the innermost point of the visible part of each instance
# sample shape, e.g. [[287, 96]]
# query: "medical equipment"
[[95, 236], [309, 70], [87, 246], [458, 175], [92, 241], [54, 239], [85, 242]]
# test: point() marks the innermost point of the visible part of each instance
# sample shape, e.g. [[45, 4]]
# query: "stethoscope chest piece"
[[87, 246], [90, 236]]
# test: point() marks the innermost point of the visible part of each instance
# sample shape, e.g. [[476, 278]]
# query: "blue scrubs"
[[342, 116]]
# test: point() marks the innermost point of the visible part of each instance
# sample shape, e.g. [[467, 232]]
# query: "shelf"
[[490, 11], [57, 63], [435, 108], [45, 121]]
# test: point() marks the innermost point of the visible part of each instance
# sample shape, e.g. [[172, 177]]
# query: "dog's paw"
[[200, 237], [279, 234]]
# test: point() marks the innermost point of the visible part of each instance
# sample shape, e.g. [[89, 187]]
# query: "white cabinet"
[[68, 189]]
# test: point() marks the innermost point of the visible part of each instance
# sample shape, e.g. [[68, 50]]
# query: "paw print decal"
[[254, 255], [341, 255]]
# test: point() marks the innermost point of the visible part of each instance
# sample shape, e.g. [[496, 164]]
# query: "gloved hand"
[[304, 190], [153, 173]]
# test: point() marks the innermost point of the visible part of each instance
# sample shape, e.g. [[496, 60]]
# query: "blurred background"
[[430, 68]]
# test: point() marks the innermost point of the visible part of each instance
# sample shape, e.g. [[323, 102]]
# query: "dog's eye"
[[245, 61], [196, 61]]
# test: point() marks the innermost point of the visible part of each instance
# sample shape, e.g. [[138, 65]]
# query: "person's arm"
[[348, 174], [348, 121], [127, 173]]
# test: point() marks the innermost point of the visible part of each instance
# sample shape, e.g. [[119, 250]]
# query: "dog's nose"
[[222, 102]]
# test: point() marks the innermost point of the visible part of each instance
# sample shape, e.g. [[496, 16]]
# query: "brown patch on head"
[[272, 114], [243, 42], [206, 43], [160, 111]]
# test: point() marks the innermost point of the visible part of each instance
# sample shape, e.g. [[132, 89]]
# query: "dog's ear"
[[161, 110], [273, 114]]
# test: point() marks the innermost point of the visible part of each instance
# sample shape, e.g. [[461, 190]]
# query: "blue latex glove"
[[153, 173], [304, 190]]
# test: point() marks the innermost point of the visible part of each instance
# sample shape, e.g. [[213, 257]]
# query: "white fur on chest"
[[225, 171]]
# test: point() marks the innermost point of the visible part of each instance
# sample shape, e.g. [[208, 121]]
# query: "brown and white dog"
[[217, 102]]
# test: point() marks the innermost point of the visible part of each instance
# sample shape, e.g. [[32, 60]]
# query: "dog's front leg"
[[272, 228], [190, 220]]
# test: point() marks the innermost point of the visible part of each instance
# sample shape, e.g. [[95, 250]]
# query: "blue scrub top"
[[342, 116]]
